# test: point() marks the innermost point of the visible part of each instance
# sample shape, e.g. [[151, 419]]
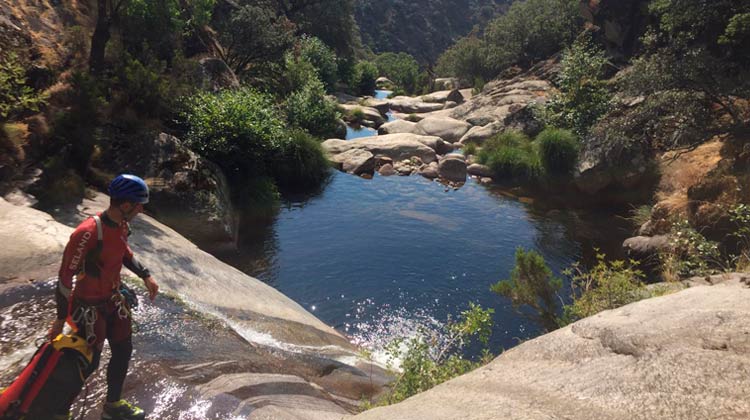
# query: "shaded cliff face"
[[421, 28]]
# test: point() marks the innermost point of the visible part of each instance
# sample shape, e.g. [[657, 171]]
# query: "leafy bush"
[[297, 72], [237, 129], [466, 59], [309, 109], [363, 78], [315, 52], [16, 97], [429, 360], [532, 284], [300, 162], [558, 150], [583, 96], [401, 68], [691, 253], [511, 155], [143, 87], [739, 215], [470, 149], [605, 286], [531, 30]]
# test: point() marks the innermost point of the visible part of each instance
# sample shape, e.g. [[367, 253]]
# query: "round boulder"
[[448, 129], [453, 168]]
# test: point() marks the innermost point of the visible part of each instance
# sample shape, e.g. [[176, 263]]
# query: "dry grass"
[[680, 172]]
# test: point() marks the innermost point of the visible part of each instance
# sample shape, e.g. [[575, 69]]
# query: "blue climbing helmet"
[[129, 188]]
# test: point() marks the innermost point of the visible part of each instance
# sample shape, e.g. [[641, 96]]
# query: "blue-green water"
[[382, 257]]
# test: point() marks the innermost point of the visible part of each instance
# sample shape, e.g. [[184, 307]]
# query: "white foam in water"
[[389, 325]]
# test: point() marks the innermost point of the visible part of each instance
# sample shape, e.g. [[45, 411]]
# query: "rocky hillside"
[[421, 28]]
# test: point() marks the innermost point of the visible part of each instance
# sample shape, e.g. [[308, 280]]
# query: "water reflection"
[[403, 245]]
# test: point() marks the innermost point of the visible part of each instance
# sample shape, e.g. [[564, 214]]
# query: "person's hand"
[[55, 329], [152, 287]]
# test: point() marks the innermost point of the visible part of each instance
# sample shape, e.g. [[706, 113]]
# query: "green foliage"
[[691, 253], [16, 97], [299, 163], [331, 21], [237, 129], [470, 149], [692, 49], [558, 150], [466, 59], [357, 115], [532, 284], [254, 36], [739, 215], [401, 68], [363, 78], [583, 97], [608, 285], [151, 27], [531, 30], [143, 87], [428, 360], [322, 58], [309, 109], [512, 155]]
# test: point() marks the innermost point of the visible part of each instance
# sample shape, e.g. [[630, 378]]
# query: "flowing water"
[[380, 258]]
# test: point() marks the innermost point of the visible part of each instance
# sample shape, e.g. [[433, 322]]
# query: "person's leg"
[[118, 368]]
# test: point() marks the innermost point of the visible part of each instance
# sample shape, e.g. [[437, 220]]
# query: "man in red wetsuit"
[[95, 254]]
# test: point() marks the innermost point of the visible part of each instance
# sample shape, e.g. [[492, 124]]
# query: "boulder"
[[449, 105], [604, 162], [447, 83], [344, 98], [524, 120], [217, 75], [685, 355], [437, 144], [429, 171], [372, 116], [341, 129], [481, 171], [408, 105], [478, 135], [189, 193], [383, 82], [502, 97], [481, 120], [395, 146], [444, 96], [387, 170], [448, 129], [452, 167], [355, 161], [397, 126], [382, 105], [646, 248]]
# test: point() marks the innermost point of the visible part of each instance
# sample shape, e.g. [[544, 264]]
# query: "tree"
[[531, 30], [698, 48], [107, 12], [401, 68], [315, 52], [363, 78], [583, 96], [532, 284], [254, 35], [466, 59]]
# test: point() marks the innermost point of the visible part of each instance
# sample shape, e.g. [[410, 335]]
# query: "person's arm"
[[129, 260], [81, 242]]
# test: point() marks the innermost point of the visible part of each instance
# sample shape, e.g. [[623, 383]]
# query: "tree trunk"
[[100, 38]]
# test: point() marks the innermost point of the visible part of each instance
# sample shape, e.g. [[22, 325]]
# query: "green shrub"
[[691, 254], [605, 286], [315, 52], [401, 68], [512, 155], [300, 162], [143, 86], [583, 97], [558, 150], [357, 115], [466, 59], [309, 109], [413, 118], [428, 360], [363, 78], [531, 30], [532, 284], [739, 215], [16, 97], [470, 149], [237, 129]]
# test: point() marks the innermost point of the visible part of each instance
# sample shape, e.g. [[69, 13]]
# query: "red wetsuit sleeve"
[[82, 240]]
